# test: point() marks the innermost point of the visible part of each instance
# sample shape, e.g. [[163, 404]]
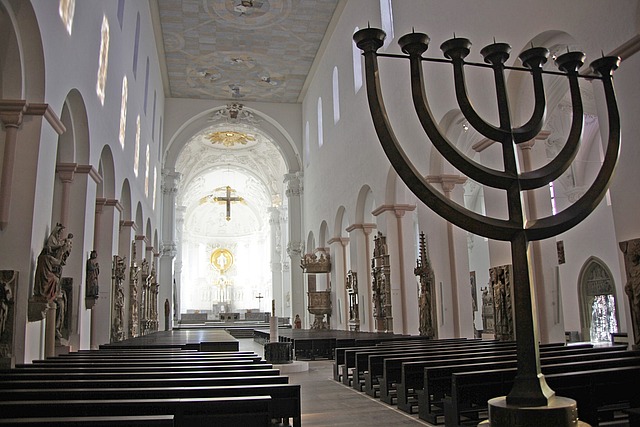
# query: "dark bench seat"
[[104, 421], [593, 390], [246, 411]]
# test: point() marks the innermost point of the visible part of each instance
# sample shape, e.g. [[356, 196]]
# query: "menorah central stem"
[[530, 387]]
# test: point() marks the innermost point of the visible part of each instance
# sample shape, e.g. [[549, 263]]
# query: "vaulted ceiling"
[[241, 50]]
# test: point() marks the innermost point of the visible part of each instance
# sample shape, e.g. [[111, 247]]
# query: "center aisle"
[[326, 402]]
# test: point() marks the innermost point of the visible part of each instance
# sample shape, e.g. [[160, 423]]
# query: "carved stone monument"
[[92, 288], [134, 314], [502, 298], [426, 291], [319, 300], [381, 285], [118, 276], [631, 251], [487, 311], [352, 294], [8, 284], [64, 302]]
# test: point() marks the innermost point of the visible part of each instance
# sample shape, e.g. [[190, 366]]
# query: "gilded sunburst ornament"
[[230, 138]]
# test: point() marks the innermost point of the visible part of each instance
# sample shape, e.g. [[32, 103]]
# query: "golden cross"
[[228, 199]]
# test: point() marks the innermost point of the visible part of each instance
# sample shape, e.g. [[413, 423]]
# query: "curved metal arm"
[[529, 130], [553, 225], [414, 45], [562, 161], [464, 218]]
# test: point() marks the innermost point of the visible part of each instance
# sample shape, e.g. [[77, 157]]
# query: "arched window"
[[146, 86], [155, 184], [386, 17], [598, 313], [136, 45], [123, 111], [103, 60], [320, 130], [357, 65], [136, 148], [120, 12], [66, 9], [306, 143], [146, 173], [336, 96]]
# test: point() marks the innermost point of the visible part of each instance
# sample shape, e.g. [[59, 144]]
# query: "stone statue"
[[297, 323], [6, 298], [631, 251], [50, 262], [93, 270], [119, 275]]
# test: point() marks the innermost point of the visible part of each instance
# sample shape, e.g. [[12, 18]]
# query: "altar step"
[[240, 332]]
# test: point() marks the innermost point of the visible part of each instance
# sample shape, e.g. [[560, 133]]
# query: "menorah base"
[[560, 412]]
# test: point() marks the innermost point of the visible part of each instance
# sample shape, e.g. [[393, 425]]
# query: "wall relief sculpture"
[[381, 285], [8, 284], [352, 295], [426, 292], [501, 289], [631, 250], [118, 275], [134, 315]]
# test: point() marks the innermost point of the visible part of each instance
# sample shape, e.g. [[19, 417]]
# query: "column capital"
[[169, 250], [66, 171], [12, 112], [170, 181], [128, 223], [294, 184], [366, 228], [295, 249], [399, 210], [528, 145], [343, 241], [448, 182]]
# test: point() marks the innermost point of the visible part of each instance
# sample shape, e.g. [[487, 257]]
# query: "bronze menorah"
[[530, 388]]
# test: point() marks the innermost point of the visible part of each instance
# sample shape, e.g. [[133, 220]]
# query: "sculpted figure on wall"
[[118, 277], [93, 270], [631, 250], [50, 262]]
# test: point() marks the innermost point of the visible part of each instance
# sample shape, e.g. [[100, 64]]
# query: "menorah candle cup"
[[369, 39], [456, 48], [606, 65], [535, 57], [570, 62], [496, 53], [414, 43]]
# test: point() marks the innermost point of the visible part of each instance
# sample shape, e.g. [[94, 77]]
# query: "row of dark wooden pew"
[[450, 381], [158, 387]]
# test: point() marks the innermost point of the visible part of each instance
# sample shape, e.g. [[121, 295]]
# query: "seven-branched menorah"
[[530, 388]]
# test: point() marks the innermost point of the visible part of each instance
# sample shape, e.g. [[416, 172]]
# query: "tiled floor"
[[326, 402]]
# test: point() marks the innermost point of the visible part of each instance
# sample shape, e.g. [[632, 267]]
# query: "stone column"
[[448, 183], [127, 233], [361, 234], [295, 246], [11, 113], [166, 274], [339, 261], [276, 264]]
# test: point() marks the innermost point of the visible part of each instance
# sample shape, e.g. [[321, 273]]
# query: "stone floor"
[[326, 402]]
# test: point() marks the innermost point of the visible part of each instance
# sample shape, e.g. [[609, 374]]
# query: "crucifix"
[[259, 297], [228, 198]]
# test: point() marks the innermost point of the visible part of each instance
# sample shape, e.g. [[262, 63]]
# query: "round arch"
[[323, 235], [125, 201], [339, 226], [73, 145], [107, 187], [364, 205]]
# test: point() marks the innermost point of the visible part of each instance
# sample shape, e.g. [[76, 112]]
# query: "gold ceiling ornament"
[[229, 138], [221, 259]]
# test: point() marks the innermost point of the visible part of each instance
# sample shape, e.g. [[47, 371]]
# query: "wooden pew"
[[285, 398], [186, 369], [408, 374], [438, 379], [187, 412], [358, 354], [104, 421], [593, 389], [361, 358], [141, 361], [28, 375], [339, 356], [126, 382]]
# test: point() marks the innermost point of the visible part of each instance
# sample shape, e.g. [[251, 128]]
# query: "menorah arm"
[[561, 162], [555, 224], [471, 169], [492, 228]]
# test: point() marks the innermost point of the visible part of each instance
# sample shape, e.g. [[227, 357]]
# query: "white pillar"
[[166, 275], [276, 264], [339, 266], [295, 246], [360, 234]]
